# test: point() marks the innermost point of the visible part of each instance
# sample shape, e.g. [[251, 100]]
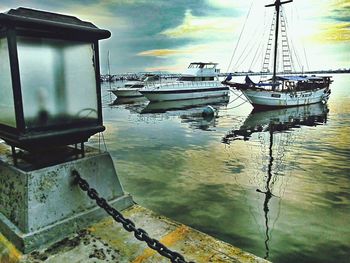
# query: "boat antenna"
[[277, 6], [109, 76]]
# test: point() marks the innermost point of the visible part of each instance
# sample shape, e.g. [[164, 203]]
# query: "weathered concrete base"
[[108, 241], [40, 207]]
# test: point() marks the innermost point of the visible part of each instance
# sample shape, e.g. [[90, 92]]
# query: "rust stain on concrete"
[[168, 240], [8, 252]]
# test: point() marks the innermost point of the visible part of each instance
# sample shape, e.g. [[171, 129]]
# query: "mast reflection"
[[273, 122]]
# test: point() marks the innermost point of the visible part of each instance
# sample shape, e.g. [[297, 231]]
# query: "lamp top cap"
[[26, 18]]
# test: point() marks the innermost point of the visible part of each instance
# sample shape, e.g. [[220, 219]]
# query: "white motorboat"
[[131, 88], [199, 81], [286, 90]]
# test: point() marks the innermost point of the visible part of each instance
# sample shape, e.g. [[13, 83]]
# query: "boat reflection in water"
[[279, 120], [131, 100], [190, 111], [272, 123], [133, 104]]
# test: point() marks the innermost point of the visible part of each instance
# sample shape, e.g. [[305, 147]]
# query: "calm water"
[[276, 184]]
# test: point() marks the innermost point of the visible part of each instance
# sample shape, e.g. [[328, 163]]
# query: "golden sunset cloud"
[[193, 26], [171, 52], [339, 32], [162, 52]]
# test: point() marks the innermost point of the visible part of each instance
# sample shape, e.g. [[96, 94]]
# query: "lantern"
[[49, 79]]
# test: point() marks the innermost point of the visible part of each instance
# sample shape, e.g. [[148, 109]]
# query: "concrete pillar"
[[41, 206]]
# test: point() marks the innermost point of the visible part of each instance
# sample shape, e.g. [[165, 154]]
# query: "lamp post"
[[49, 77], [50, 98]]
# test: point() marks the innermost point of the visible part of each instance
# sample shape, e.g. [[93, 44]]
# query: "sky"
[[163, 35]]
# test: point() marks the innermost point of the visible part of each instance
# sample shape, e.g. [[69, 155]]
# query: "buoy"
[[208, 111]]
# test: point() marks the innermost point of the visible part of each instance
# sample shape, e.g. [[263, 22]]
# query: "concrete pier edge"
[[28, 242], [108, 241], [41, 206]]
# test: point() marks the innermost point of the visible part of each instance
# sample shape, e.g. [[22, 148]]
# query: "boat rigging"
[[285, 90]]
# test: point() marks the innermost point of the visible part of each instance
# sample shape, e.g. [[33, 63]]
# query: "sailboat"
[[284, 90]]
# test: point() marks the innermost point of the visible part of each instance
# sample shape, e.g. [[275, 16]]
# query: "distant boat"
[[131, 88], [287, 90], [199, 81]]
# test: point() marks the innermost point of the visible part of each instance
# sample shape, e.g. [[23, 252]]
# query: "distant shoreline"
[[136, 76], [339, 71]]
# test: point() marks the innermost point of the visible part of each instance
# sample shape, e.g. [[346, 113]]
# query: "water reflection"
[[279, 120], [273, 122], [133, 104], [189, 111], [127, 100], [156, 154]]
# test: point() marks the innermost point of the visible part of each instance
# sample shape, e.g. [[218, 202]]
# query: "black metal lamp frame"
[[39, 24]]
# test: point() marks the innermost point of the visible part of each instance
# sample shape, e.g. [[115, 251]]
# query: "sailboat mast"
[[277, 6], [108, 65], [276, 41]]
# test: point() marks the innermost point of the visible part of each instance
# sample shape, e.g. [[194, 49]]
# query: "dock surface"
[[108, 241]]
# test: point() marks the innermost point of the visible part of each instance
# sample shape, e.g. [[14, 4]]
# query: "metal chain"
[[128, 225]]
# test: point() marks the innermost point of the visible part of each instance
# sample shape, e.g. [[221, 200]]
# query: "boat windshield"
[[150, 78], [187, 78], [133, 85], [201, 65]]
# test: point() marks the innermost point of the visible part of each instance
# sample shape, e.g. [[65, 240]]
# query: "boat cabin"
[[291, 83], [300, 83], [200, 71]]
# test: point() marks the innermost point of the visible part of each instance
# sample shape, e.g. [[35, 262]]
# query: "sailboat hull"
[[267, 98], [185, 93]]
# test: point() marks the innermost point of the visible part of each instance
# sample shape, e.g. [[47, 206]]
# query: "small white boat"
[[131, 88], [199, 81]]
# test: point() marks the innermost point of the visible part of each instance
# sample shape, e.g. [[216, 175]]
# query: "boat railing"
[[180, 84]]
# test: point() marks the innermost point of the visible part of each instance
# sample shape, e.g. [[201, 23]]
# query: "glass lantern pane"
[[7, 108], [58, 82]]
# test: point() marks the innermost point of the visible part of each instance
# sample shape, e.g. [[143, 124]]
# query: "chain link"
[[128, 225]]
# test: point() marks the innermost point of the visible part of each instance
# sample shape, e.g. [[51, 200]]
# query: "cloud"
[[100, 13], [177, 59], [171, 52], [200, 27], [170, 34], [340, 10], [175, 68], [341, 4], [228, 4], [336, 32], [334, 26], [162, 52]]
